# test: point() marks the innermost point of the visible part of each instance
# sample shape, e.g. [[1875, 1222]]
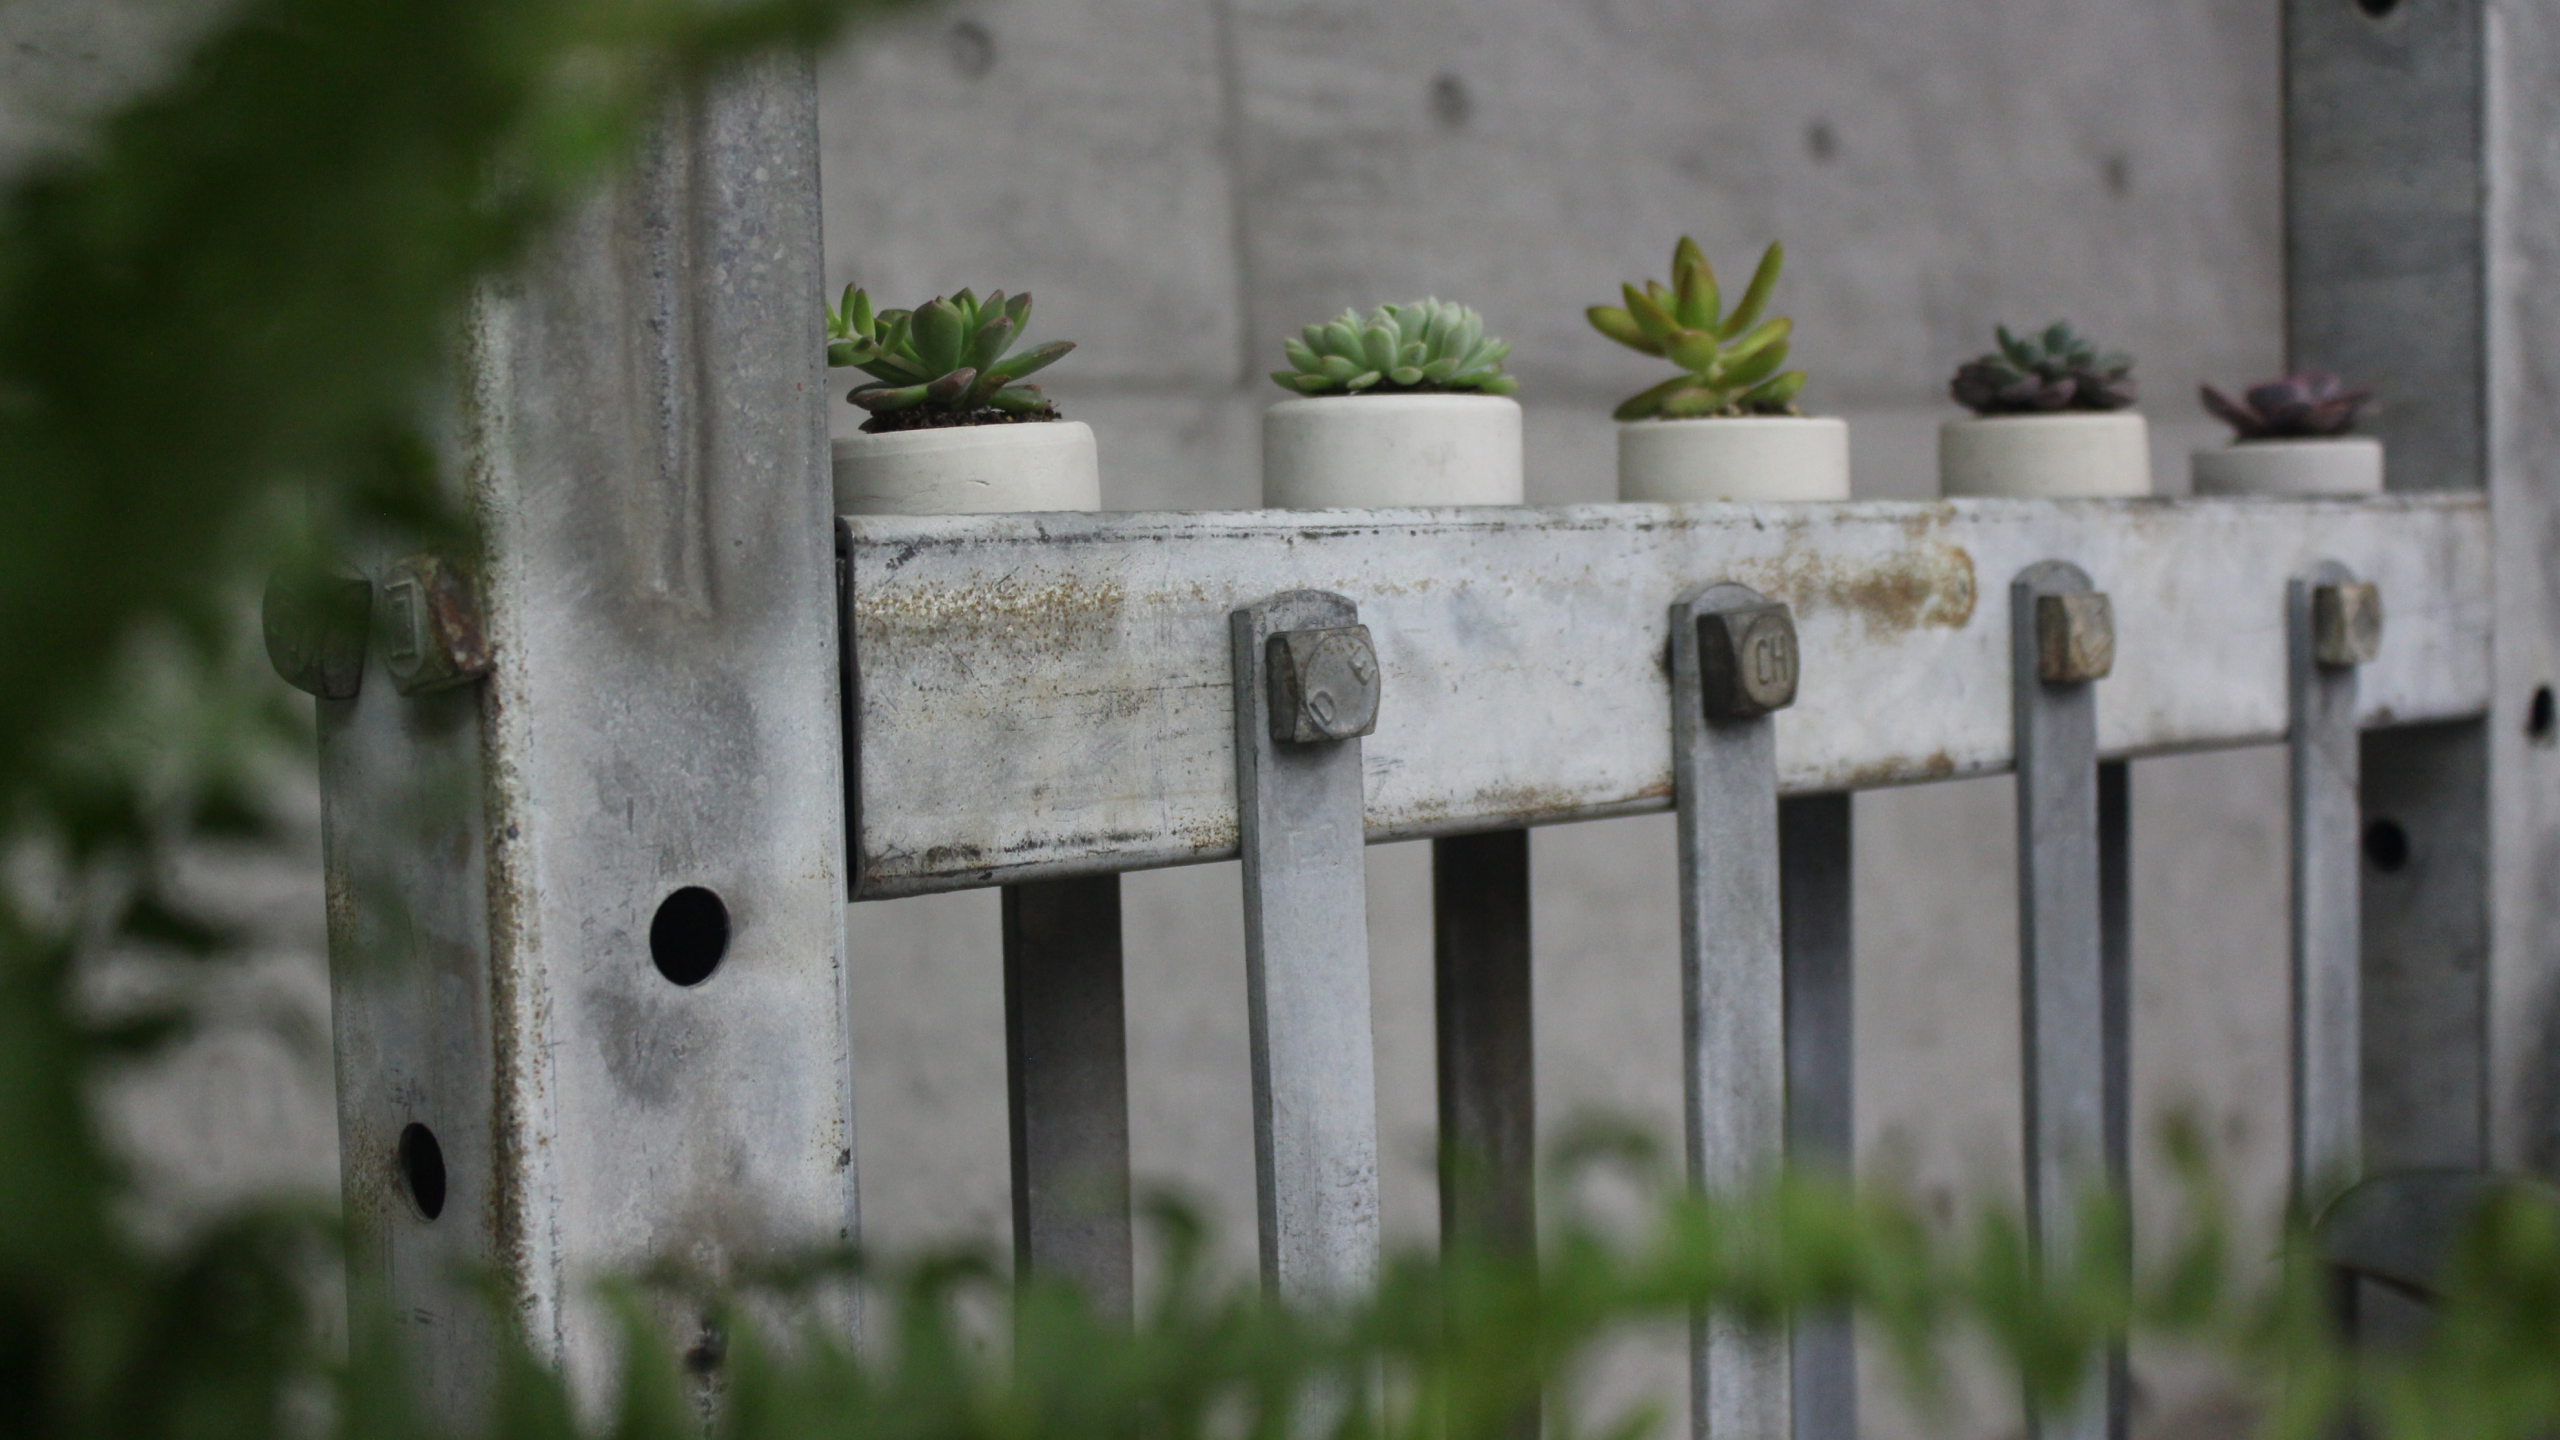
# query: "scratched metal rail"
[[1047, 695]]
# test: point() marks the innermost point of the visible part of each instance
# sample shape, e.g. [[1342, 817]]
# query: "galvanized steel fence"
[[710, 716]]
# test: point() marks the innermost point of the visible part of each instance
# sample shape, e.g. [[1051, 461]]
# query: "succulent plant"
[[942, 363], [2055, 369], [2308, 406], [1422, 345], [1729, 364]]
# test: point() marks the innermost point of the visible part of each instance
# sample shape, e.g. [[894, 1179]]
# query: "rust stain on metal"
[[1900, 770], [1929, 585]]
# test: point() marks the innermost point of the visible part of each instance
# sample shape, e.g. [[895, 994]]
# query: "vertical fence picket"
[[2062, 640], [1306, 927], [1067, 1080], [2115, 1024], [2324, 749], [1488, 1094], [1814, 907], [1733, 660]]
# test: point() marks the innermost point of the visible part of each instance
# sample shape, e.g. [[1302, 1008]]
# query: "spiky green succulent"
[[2055, 368], [1422, 345], [942, 363], [1729, 364]]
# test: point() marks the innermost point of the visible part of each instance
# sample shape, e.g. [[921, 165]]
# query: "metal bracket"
[[1733, 662], [1306, 928], [2332, 624], [2062, 638]]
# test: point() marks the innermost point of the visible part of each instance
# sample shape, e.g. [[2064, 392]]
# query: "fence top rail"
[[1044, 695]]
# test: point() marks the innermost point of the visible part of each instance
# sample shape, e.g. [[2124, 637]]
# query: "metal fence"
[[607, 811]]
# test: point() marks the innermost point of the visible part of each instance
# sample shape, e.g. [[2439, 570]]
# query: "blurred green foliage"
[[245, 290]]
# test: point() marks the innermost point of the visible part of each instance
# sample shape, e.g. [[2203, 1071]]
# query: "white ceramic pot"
[[1740, 457], [2340, 465], [1363, 451], [2070, 456], [969, 470]]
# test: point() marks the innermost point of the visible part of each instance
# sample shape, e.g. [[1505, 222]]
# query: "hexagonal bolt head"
[[2346, 624], [2075, 638], [315, 629], [1324, 684], [1747, 661], [430, 626]]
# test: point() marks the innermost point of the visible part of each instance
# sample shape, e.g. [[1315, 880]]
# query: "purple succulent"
[[2308, 406], [2054, 369]]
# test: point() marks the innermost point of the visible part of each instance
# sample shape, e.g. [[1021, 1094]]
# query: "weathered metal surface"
[[1732, 985], [2075, 638], [2346, 624], [2383, 194], [2521, 105], [2425, 873], [2392, 223], [1324, 684], [2061, 997], [1306, 940], [1080, 662], [648, 464], [1814, 900], [1746, 661], [2328, 942], [431, 632], [1066, 1067]]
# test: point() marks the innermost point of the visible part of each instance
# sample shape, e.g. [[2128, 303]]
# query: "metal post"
[[1733, 662], [1488, 1092], [586, 916], [1814, 908], [1066, 1043], [2332, 624], [2115, 1009], [2412, 202], [2062, 637], [1306, 688]]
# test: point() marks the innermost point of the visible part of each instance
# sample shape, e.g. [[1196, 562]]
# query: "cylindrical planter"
[[2338, 465], [969, 470], [1365, 451], [1741, 457], [2069, 456]]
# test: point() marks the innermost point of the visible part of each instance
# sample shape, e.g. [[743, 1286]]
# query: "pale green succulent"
[[942, 362], [1422, 345], [1730, 365]]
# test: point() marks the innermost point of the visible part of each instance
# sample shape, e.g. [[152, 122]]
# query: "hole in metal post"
[[2386, 845], [2377, 8], [422, 1170], [2538, 718], [690, 935]]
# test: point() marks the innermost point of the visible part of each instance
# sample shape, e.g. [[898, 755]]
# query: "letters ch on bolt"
[[1324, 684], [1747, 660]]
